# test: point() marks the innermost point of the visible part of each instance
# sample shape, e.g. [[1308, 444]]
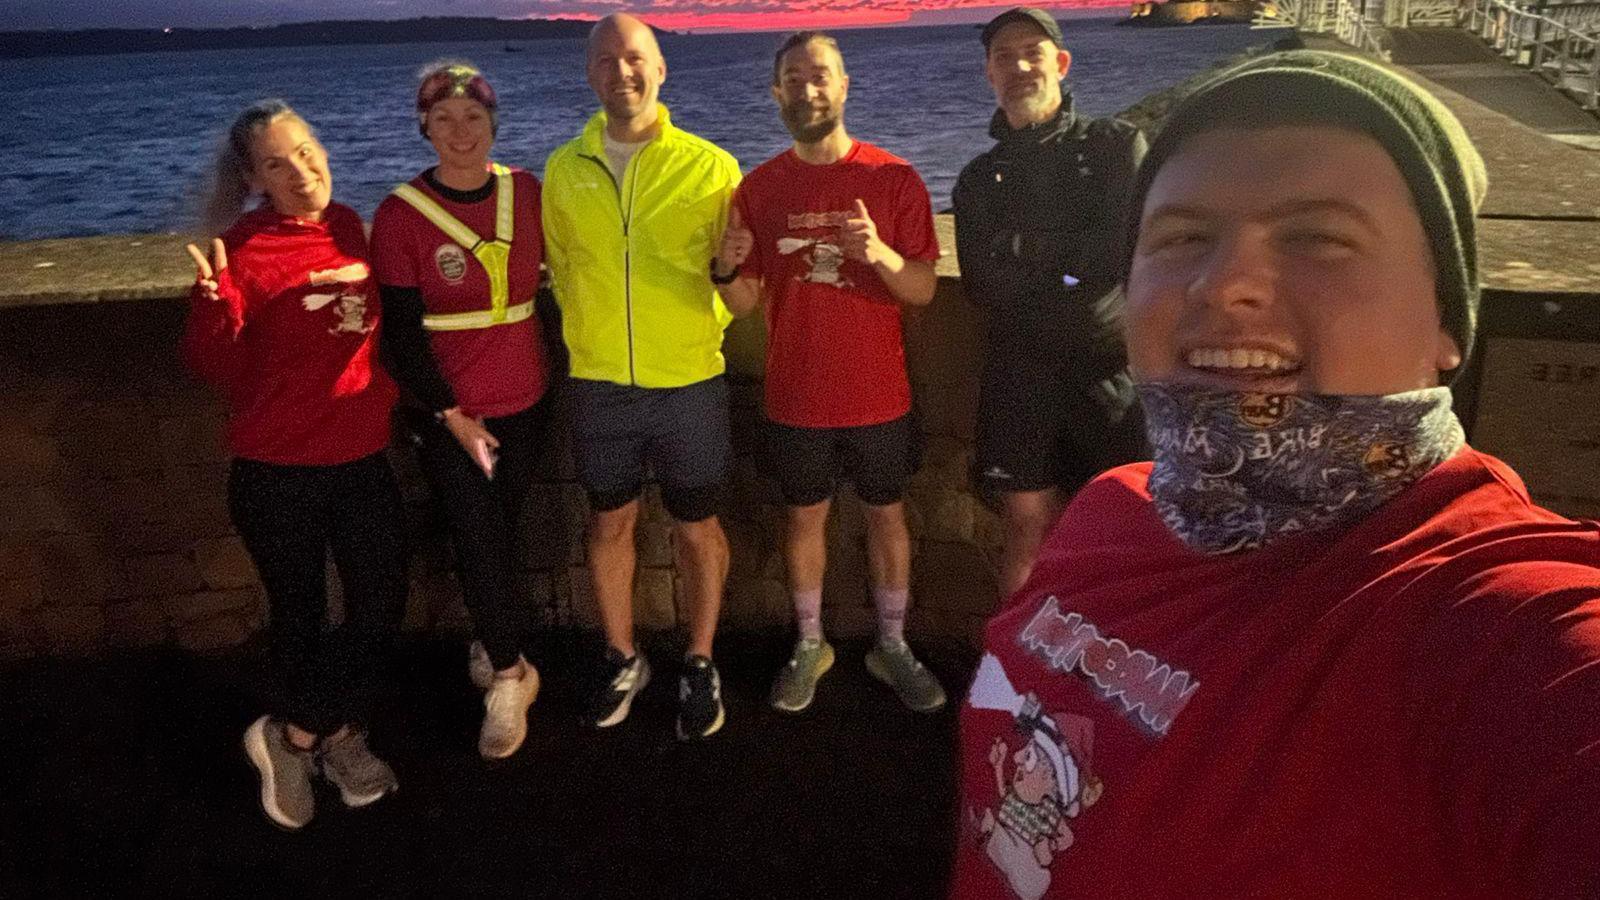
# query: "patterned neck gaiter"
[[1236, 471]]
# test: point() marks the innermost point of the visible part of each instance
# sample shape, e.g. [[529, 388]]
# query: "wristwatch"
[[724, 279]]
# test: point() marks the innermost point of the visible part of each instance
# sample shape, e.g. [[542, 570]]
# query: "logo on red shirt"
[[1052, 781], [1150, 692], [349, 302], [452, 263]]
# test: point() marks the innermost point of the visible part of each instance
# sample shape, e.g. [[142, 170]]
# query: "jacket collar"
[[1065, 119], [595, 130]]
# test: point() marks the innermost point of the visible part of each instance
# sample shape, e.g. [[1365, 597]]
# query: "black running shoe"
[[624, 679], [700, 712]]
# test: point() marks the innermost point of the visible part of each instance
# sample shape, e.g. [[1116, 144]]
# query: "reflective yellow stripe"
[[504, 222], [494, 256], [433, 212], [496, 259], [478, 318]]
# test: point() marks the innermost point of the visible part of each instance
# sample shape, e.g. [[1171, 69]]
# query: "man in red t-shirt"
[[1320, 647], [835, 235]]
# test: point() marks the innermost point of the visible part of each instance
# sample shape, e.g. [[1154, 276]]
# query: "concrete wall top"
[[1519, 255]]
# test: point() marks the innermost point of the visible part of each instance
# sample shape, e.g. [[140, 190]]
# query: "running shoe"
[[361, 777], [479, 668], [285, 770], [505, 712], [700, 712], [624, 679], [893, 664], [796, 684]]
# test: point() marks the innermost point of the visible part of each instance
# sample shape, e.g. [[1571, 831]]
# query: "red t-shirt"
[[293, 340], [834, 351], [1410, 708], [493, 371]]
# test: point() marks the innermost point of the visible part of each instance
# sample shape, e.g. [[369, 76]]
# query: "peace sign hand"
[[209, 271]]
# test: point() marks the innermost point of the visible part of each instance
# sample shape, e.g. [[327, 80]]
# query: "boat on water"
[[1199, 12]]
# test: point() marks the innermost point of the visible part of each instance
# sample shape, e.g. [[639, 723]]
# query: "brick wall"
[[114, 529]]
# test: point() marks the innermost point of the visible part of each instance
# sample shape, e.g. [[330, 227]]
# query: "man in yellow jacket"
[[634, 209]]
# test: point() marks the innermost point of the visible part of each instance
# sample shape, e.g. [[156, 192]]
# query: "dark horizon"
[[33, 43]]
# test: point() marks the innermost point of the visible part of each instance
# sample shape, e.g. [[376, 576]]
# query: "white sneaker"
[[505, 712], [479, 669]]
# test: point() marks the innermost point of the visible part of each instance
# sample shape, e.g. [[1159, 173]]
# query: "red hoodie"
[[293, 340]]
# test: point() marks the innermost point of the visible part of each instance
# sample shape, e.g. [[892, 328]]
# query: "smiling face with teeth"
[[626, 68], [289, 166], [1285, 259]]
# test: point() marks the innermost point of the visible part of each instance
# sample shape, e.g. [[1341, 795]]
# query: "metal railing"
[[1355, 29], [1340, 18], [1557, 51], [1553, 42], [1582, 17]]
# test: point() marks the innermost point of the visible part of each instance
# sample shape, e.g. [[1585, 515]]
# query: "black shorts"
[[808, 463], [1047, 420], [682, 434]]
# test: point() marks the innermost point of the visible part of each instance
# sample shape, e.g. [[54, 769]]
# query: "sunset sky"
[[767, 15]]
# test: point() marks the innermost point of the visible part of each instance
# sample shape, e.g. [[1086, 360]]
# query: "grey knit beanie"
[[1426, 141]]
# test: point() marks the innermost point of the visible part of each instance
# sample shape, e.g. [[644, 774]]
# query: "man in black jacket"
[[1037, 220]]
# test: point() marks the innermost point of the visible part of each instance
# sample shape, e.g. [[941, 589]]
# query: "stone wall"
[[114, 529]]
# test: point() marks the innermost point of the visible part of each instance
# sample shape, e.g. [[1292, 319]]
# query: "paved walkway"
[[1540, 223], [1459, 60], [123, 777]]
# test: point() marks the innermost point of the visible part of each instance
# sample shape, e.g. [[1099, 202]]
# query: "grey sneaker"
[[349, 766], [505, 712], [286, 795], [916, 687], [479, 669], [796, 684]]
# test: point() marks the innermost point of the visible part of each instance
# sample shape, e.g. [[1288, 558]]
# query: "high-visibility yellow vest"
[[494, 255]]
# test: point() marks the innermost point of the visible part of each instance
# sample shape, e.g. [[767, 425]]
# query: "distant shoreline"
[[102, 41]]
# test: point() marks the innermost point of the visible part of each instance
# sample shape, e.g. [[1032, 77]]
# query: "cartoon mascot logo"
[[349, 299], [1051, 782]]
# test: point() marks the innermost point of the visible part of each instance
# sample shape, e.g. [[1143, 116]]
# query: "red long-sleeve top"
[[293, 340]]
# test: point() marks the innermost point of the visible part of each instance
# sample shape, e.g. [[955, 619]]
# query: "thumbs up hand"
[[737, 242], [858, 239], [208, 271]]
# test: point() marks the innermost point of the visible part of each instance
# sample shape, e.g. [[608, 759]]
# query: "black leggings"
[[289, 517], [483, 516]]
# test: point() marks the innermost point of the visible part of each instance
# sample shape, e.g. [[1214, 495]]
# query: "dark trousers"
[[483, 516], [289, 518]]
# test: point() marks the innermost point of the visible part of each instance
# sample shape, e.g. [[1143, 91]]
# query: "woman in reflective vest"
[[457, 252]]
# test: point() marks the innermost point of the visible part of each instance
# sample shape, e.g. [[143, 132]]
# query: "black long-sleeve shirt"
[[1038, 227]]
